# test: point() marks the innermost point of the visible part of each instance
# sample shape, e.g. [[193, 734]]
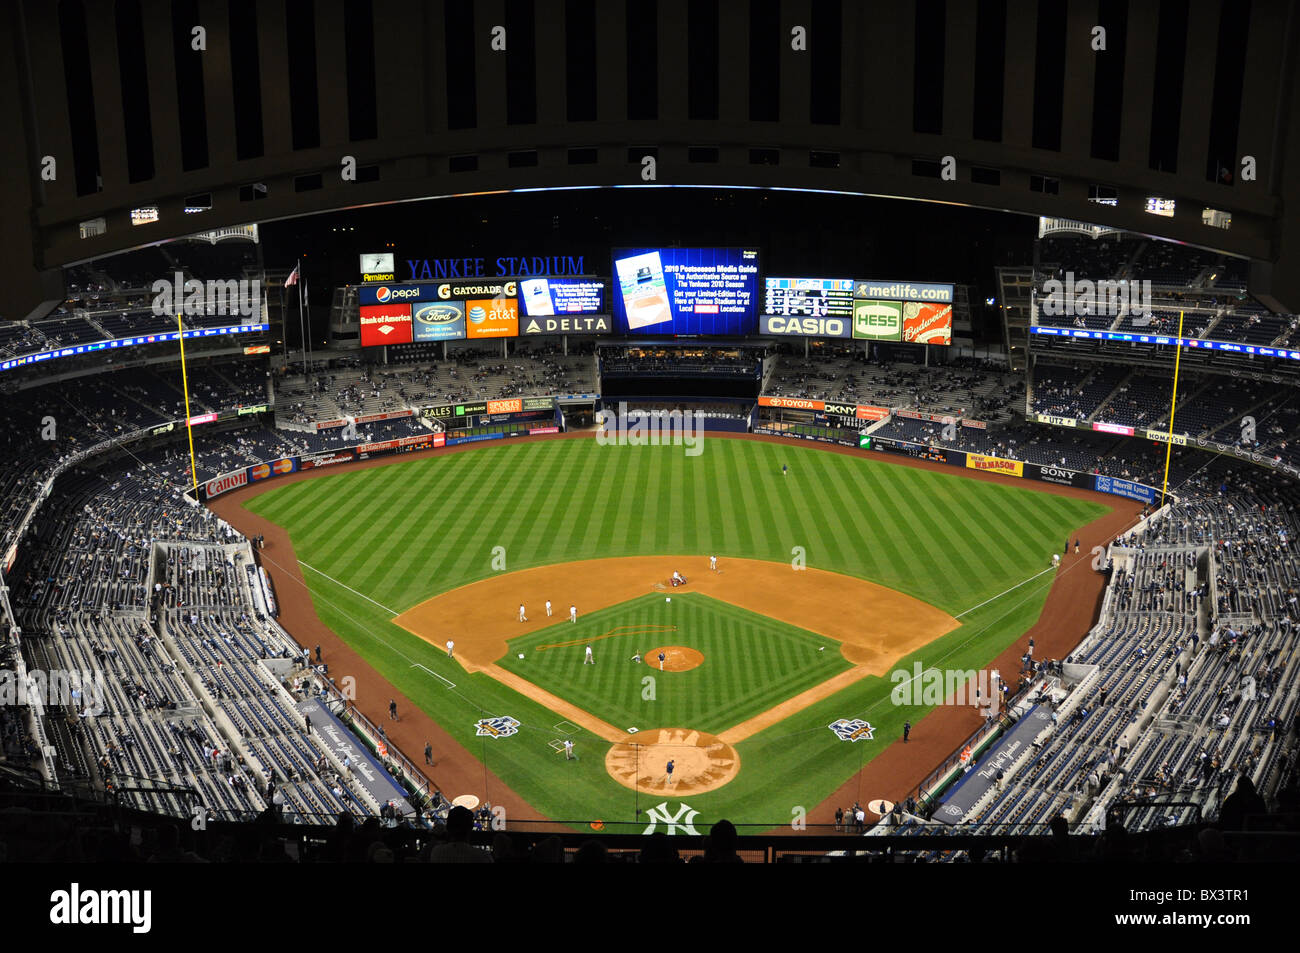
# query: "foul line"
[[450, 683], [349, 588], [1005, 591]]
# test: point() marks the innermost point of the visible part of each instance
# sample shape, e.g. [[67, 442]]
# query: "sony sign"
[[806, 326]]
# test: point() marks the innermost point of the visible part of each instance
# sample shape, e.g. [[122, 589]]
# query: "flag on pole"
[[292, 279]]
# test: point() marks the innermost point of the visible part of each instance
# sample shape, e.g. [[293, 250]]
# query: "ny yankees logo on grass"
[[683, 818]]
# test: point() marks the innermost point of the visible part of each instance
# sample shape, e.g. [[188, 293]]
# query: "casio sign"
[[817, 327]]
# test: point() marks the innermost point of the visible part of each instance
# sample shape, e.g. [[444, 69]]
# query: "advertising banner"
[[539, 403], [902, 290], [264, 471], [228, 481], [331, 424], [445, 412], [1058, 475], [840, 410], [821, 327], [491, 318], [1125, 488], [904, 448], [927, 323], [512, 406], [566, 324], [1113, 428], [978, 461], [1162, 436], [385, 324], [317, 460], [878, 320], [438, 321], [975, 424], [202, 419], [791, 403], [1056, 421], [387, 415], [867, 412]]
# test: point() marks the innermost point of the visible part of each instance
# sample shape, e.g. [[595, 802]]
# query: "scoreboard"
[[809, 297]]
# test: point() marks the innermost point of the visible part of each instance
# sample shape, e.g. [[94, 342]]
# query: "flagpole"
[[306, 296], [298, 269]]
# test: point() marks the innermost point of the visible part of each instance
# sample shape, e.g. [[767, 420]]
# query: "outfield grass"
[[400, 534], [750, 663]]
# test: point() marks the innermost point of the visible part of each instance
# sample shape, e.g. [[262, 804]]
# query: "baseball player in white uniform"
[[451, 649], [548, 608], [589, 660], [522, 617], [713, 563], [573, 613]]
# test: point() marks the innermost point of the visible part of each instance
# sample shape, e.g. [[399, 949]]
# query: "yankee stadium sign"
[[429, 268]]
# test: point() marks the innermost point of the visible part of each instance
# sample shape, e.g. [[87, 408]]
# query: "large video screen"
[[547, 297], [706, 291]]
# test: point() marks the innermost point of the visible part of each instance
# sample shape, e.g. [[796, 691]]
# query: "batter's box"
[[567, 728], [556, 745]]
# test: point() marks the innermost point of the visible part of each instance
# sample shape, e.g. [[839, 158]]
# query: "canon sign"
[[223, 483]]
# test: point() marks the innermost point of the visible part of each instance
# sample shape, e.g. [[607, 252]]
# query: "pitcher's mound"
[[677, 658], [701, 762]]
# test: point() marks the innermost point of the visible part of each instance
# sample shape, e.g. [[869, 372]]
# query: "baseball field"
[[829, 578]]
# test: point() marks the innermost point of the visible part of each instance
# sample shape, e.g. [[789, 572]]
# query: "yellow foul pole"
[[1173, 401], [185, 383]]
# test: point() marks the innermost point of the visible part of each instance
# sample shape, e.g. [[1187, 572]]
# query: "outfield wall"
[[1018, 468], [364, 451]]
